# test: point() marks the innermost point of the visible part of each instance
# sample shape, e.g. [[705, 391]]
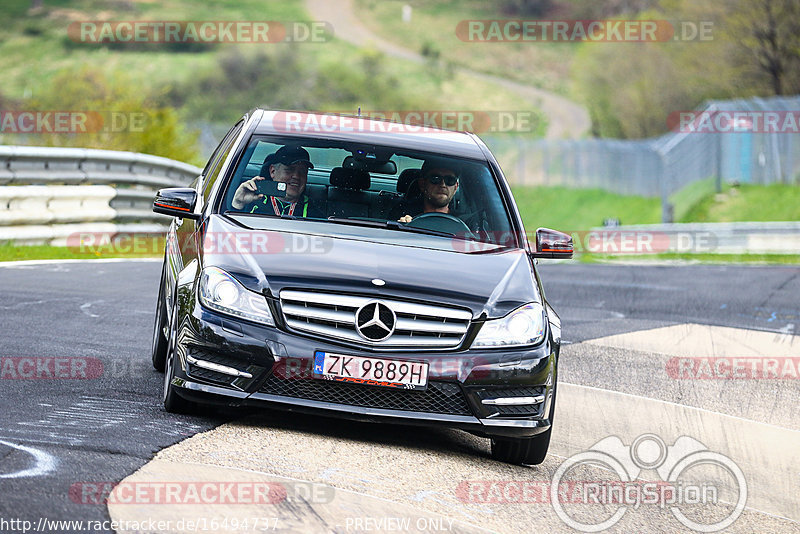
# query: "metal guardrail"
[[47, 194], [696, 238]]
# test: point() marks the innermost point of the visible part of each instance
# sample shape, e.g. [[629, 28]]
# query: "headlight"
[[523, 326], [222, 292]]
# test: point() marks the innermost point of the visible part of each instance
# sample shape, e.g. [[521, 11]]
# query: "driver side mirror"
[[552, 244], [177, 202]]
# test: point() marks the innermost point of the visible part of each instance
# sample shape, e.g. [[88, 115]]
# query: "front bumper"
[[274, 368]]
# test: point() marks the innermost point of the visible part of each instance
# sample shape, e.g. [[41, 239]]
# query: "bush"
[[121, 117], [282, 79]]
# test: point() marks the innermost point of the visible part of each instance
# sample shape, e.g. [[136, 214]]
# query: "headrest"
[[406, 178], [350, 178]]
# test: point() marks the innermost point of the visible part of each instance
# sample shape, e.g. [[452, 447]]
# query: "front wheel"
[[528, 451], [160, 341], [173, 402]]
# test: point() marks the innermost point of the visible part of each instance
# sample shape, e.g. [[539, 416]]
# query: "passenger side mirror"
[[177, 202], [552, 244]]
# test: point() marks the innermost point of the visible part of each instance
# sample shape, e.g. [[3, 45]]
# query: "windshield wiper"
[[391, 225], [388, 225], [355, 222]]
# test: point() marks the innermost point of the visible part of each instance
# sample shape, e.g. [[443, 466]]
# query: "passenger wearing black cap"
[[437, 184], [289, 164]]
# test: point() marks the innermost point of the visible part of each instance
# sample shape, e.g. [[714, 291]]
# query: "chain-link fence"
[[747, 141]]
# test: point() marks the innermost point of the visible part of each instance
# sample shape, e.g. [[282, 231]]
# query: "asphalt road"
[[79, 431]]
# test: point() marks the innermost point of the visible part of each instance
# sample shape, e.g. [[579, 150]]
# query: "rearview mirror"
[[370, 165], [177, 202], [552, 244]]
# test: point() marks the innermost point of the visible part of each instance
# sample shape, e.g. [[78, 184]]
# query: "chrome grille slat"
[[319, 313], [394, 341], [430, 326], [325, 298], [334, 316]]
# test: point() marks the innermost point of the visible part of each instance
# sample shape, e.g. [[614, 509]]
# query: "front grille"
[[334, 316], [440, 397]]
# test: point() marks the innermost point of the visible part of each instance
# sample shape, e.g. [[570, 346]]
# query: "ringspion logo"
[[591, 491]]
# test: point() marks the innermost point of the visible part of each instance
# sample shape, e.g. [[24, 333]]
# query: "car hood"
[[490, 284]]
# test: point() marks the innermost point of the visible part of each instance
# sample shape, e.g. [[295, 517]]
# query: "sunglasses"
[[448, 179]]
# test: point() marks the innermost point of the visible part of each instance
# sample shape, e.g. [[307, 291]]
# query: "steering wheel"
[[441, 222]]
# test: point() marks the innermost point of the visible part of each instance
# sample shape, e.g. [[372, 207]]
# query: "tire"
[[528, 451], [173, 402], [160, 341]]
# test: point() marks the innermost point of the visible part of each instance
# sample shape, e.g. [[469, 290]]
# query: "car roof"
[[369, 131]]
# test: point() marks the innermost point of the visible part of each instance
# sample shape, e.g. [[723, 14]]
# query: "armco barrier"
[[710, 238], [48, 193]]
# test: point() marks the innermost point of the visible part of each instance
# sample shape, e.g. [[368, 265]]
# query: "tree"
[[527, 8], [120, 116], [769, 30]]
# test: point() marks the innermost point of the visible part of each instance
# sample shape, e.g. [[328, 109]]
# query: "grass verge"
[[435, 32], [141, 248], [777, 202], [570, 210], [793, 259]]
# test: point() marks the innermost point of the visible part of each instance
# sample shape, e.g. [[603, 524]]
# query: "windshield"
[[348, 183]]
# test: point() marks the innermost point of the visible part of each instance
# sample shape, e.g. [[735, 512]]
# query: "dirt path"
[[567, 120]]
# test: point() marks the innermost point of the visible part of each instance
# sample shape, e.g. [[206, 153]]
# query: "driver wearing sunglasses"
[[437, 185]]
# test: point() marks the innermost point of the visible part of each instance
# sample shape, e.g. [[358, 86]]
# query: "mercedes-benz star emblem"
[[375, 321]]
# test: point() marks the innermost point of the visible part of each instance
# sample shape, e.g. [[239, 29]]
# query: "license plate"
[[398, 374]]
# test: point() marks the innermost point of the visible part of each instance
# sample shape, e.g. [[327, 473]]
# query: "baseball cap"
[[289, 155]]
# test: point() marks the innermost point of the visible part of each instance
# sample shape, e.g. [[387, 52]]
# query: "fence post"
[[718, 179], [666, 208]]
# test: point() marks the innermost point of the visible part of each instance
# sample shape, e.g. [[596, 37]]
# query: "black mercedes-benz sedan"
[[363, 269]]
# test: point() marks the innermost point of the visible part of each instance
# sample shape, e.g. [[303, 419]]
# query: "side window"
[[220, 154], [215, 153]]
